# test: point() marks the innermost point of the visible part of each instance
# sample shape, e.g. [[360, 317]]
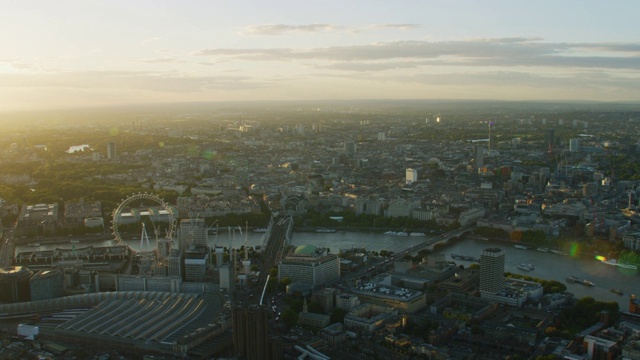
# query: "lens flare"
[[600, 258], [573, 252]]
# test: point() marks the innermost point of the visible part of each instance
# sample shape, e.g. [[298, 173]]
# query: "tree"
[[289, 317], [284, 282]]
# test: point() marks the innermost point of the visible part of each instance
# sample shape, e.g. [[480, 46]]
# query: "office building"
[[192, 232], [350, 148], [14, 284], [219, 250], [174, 263], [111, 151], [491, 136], [251, 332], [310, 265], [574, 145], [47, 284], [549, 140], [491, 271], [411, 176], [195, 265], [227, 277], [478, 156]]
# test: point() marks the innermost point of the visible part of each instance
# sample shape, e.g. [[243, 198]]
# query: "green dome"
[[305, 250]]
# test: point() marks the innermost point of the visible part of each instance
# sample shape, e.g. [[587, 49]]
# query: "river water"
[[548, 266]]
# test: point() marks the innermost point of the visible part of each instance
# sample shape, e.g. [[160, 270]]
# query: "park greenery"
[[548, 286], [585, 313]]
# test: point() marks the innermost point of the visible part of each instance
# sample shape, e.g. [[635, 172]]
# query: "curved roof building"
[[14, 284], [305, 250], [310, 265]]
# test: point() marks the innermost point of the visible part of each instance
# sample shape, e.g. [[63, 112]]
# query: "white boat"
[[526, 267], [559, 252], [522, 247], [325, 230], [417, 234], [543, 249], [396, 233], [260, 230]]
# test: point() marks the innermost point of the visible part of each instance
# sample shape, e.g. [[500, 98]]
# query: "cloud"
[[166, 60], [374, 27], [398, 26], [374, 66], [509, 52], [157, 82], [280, 29], [15, 64]]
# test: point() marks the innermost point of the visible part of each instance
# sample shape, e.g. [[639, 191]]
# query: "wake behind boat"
[[614, 262], [396, 233]]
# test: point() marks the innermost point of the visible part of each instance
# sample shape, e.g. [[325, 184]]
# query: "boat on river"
[[464, 257], [396, 233], [586, 282], [614, 262], [617, 291], [521, 247], [573, 279], [526, 267], [543, 249], [559, 252]]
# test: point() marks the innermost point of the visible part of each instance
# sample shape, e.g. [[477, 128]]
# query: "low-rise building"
[[366, 318], [401, 299]]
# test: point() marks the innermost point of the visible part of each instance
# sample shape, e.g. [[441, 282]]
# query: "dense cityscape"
[[363, 179], [175, 231]]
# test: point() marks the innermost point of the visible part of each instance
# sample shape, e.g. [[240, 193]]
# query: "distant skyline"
[[65, 54]]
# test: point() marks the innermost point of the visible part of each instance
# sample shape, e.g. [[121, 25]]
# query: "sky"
[[68, 53]]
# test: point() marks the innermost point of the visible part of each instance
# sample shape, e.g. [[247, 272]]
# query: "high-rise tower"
[[111, 151], [491, 140], [491, 271], [549, 140], [250, 332], [411, 176], [192, 232], [350, 148], [478, 156]]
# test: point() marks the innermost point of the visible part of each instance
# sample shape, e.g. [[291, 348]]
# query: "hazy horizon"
[[74, 54]]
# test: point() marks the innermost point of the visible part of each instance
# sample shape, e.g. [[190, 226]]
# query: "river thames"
[[548, 266]]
